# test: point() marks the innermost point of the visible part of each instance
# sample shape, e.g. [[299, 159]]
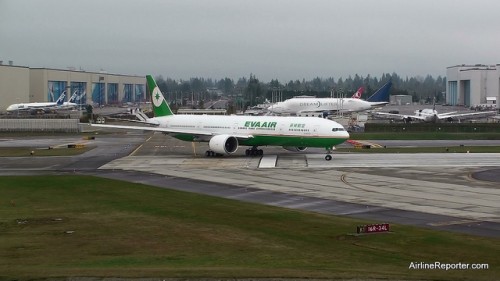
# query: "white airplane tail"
[[61, 98]]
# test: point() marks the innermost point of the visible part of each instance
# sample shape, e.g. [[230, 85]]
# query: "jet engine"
[[407, 119], [295, 148], [223, 144]]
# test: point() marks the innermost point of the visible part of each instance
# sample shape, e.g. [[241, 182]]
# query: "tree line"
[[251, 91]]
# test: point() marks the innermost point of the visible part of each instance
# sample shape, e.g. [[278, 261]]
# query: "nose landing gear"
[[328, 157]]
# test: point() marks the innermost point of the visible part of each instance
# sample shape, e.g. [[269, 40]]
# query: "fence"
[[40, 125], [431, 127]]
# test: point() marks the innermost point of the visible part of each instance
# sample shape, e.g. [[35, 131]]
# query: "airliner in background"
[[305, 105], [225, 134], [37, 105], [430, 115], [70, 104]]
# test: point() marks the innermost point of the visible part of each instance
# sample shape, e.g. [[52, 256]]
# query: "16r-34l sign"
[[373, 228]]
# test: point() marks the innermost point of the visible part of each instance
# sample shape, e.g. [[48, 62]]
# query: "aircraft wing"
[[167, 130], [394, 116], [375, 103], [465, 115]]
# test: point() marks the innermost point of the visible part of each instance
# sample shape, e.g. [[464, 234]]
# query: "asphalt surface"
[[456, 194]]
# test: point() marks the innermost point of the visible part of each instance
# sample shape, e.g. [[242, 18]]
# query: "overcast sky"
[[287, 39]]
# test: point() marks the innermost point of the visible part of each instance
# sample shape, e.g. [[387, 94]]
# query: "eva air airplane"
[[225, 133]]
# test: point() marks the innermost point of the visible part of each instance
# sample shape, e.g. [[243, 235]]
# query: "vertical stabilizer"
[[73, 97], [160, 105], [382, 94], [61, 98], [358, 93]]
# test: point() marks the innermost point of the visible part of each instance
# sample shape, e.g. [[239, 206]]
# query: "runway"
[[431, 190]]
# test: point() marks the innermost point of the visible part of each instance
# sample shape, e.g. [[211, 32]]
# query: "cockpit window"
[[338, 129]]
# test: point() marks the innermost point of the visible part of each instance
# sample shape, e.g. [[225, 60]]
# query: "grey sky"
[[287, 39]]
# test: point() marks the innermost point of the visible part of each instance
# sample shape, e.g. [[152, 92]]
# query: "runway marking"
[[139, 147], [446, 223], [268, 161]]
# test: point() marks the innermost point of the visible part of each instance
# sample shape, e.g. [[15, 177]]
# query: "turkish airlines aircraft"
[[225, 134]]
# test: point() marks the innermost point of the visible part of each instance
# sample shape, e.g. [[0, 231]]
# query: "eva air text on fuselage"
[[258, 124]]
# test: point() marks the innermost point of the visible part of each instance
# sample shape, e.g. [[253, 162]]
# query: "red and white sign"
[[373, 228]]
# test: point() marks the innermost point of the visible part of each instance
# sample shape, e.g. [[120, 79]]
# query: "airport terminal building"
[[473, 85], [20, 84]]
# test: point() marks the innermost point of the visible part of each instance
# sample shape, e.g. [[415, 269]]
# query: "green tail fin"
[[160, 105]]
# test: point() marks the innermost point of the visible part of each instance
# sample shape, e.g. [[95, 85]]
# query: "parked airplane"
[[431, 115], [70, 104], [301, 105], [37, 105], [225, 133]]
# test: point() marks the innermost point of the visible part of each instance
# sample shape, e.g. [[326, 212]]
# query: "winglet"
[[160, 105]]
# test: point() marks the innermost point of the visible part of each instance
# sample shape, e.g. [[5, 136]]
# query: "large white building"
[[472, 85], [19, 84]]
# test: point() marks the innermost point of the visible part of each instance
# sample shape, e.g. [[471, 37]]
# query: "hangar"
[[20, 84], [473, 85]]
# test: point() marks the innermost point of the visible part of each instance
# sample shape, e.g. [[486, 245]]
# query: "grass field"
[[60, 226]]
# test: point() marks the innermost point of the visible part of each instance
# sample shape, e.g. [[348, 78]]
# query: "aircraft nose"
[[345, 134]]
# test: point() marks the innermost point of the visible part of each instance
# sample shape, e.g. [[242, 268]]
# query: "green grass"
[[61, 226]]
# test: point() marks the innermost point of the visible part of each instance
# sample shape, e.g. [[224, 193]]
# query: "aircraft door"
[[235, 128], [315, 130]]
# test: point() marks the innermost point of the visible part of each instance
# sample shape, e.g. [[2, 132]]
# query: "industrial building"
[[400, 99], [19, 84], [473, 85]]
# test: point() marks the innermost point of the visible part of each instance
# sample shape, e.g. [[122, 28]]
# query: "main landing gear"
[[210, 153], [254, 152]]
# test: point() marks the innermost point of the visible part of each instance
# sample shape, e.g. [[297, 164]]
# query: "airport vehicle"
[[225, 133], [37, 105], [431, 115], [302, 105]]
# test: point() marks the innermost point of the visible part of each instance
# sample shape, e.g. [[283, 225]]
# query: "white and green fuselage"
[[257, 130]]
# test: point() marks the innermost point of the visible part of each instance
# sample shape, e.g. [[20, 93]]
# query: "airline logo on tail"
[[157, 97], [61, 98], [358, 93], [160, 106]]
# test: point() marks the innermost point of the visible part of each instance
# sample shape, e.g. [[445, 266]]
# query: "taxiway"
[[431, 190]]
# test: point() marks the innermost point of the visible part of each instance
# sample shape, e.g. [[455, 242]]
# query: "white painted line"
[[268, 161]]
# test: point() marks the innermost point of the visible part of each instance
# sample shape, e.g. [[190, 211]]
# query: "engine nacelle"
[[407, 119], [295, 148], [223, 144]]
